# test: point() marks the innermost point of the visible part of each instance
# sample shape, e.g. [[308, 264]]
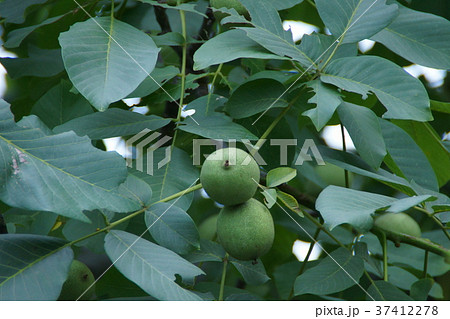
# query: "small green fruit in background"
[[398, 222], [78, 280], [208, 228], [246, 231], [332, 174], [228, 178]]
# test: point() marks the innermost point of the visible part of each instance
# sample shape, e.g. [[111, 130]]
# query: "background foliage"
[[63, 196]]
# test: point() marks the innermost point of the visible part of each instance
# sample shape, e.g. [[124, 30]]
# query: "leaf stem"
[[136, 213], [425, 264], [305, 261], [344, 148], [385, 256], [224, 275], [219, 68], [323, 228], [422, 243], [437, 221]]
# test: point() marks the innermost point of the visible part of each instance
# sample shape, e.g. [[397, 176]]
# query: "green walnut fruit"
[[230, 176], [208, 228], [78, 280], [246, 231], [332, 174], [398, 222]]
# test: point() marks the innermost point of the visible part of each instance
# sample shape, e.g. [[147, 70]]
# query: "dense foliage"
[[151, 234]]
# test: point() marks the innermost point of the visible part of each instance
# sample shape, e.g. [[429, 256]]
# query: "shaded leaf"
[[15, 37], [60, 173], [40, 63], [290, 202], [187, 7], [172, 228], [254, 274], [209, 251], [339, 205], [174, 177], [327, 100], [254, 97], [33, 267], [14, 11], [364, 129], [403, 95], [157, 78], [111, 123], [102, 69], [59, 105], [150, 266], [421, 288], [402, 149], [270, 196], [432, 146], [229, 46], [211, 124], [384, 291], [419, 37], [332, 274], [356, 19], [280, 175]]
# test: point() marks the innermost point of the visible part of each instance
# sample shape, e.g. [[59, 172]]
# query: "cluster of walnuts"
[[245, 227]]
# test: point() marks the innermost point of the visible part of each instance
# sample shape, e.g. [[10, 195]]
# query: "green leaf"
[[211, 124], [14, 11], [280, 175], [290, 202], [157, 78], [209, 251], [268, 30], [40, 63], [16, 36], [405, 203], [419, 37], [439, 106], [107, 60], [174, 177], [421, 288], [111, 123], [284, 277], [339, 205], [59, 105], [403, 149], [327, 100], [357, 19], [153, 267], [364, 129], [403, 95], [334, 273], [356, 165], [33, 267], [384, 291], [29, 222], [229, 46], [60, 173], [253, 273], [172, 228], [431, 145], [404, 279], [74, 229], [319, 48], [254, 97], [137, 190], [187, 7], [270, 197]]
